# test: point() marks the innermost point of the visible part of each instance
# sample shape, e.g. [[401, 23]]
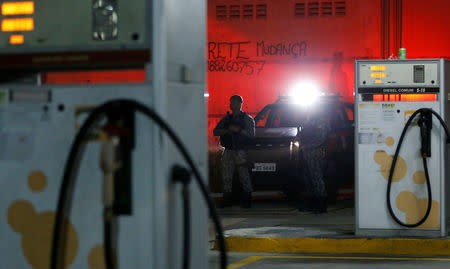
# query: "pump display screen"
[[398, 73], [17, 8], [17, 17], [419, 73], [67, 26]]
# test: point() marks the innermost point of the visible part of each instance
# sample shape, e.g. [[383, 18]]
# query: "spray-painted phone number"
[[239, 66]]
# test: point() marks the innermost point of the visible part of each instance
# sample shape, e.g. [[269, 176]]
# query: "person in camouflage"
[[235, 130], [313, 139]]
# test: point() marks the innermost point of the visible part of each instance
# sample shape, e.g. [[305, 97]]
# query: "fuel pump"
[[39, 121], [401, 154]]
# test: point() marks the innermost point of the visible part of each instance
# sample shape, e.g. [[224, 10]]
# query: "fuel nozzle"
[[120, 131], [109, 165], [425, 124]]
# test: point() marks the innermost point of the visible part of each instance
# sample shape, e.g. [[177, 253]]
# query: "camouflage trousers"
[[231, 160], [314, 172]]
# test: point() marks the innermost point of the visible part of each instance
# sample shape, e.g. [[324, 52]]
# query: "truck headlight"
[[305, 93]]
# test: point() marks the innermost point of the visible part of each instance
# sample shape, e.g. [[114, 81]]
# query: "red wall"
[[329, 45], [426, 28]]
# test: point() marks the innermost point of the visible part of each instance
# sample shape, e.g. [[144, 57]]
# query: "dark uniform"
[[235, 155], [313, 139]]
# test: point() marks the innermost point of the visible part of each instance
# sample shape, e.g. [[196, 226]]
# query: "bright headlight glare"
[[305, 93]]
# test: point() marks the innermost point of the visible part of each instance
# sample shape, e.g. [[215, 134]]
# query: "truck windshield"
[[280, 116]]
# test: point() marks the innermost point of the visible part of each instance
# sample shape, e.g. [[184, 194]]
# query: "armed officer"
[[235, 131], [313, 138]]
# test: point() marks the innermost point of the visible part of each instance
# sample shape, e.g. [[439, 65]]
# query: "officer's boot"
[[246, 200], [304, 203], [227, 200], [324, 204], [320, 205]]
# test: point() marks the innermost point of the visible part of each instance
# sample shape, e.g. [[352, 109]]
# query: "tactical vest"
[[234, 141]]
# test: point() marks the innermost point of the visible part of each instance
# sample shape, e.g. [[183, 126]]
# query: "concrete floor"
[[283, 261], [277, 218], [279, 214]]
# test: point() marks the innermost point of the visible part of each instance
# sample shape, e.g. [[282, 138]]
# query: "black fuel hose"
[[182, 175], [73, 161], [108, 248], [187, 227], [427, 176]]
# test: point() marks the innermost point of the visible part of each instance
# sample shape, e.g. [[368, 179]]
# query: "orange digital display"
[[18, 8], [378, 75], [404, 97], [16, 39], [378, 68], [17, 25]]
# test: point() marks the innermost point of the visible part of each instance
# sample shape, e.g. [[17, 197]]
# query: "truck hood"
[[276, 132]]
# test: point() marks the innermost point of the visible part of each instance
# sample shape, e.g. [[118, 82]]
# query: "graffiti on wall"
[[246, 67], [295, 49], [237, 56]]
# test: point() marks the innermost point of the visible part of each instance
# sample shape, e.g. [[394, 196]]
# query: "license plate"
[[264, 167]]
